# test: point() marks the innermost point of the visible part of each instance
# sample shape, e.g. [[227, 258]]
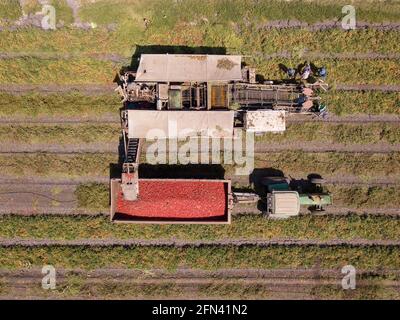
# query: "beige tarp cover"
[[186, 68], [265, 121], [286, 203], [179, 124]]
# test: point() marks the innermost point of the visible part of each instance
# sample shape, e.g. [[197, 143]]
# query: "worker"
[[322, 73], [306, 72], [291, 73]]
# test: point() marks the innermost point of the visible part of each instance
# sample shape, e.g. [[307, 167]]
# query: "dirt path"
[[200, 243], [311, 283]]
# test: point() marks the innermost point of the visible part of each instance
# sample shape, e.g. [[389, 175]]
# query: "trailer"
[[173, 201]]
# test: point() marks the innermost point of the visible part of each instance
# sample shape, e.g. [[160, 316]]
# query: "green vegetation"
[[331, 163], [302, 132], [56, 71], [93, 195], [366, 197], [9, 9], [93, 71], [60, 134], [68, 165], [296, 163], [344, 103], [90, 107], [205, 257], [77, 285], [336, 133], [242, 227], [383, 71], [71, 104], [372, 290]]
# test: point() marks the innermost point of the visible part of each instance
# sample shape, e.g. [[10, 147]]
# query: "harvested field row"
[[296, 163], [116, 58], [82, 107], [204, 257], [79, 286], [133, 243], [328, 164], [299, 134], [75, 198], [244, 227], [111, 145], [87, 71], [95, 196], [59, 134]]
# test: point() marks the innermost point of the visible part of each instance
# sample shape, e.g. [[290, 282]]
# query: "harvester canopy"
[[151, 124], [188, 68]]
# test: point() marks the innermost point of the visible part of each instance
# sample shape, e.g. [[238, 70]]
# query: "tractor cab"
[[284, 196]]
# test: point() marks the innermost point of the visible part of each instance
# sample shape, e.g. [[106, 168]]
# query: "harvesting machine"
[[212, 96]]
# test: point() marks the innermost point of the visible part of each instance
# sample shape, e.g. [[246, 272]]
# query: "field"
[[60, 133]]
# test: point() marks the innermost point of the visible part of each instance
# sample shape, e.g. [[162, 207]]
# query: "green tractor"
[[285, 196]]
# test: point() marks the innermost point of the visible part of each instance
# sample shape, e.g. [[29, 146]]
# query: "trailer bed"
[[173, 200]]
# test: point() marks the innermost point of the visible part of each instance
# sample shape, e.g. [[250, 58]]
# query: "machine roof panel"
[[188, 68]]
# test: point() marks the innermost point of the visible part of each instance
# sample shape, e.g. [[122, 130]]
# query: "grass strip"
[[95, 196], [57, 165], [71, 104], [302, 132], [242, 227], [290, 162], [336, 133], [89, 71], [345, 103], [79, 286], [205, 257], [59, 134], [87, 106], [331, 163], [57, 71]]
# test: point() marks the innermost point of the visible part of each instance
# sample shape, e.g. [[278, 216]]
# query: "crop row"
[[88, 107], [237, 26], [290, 162], [60, 134], [336, 133], [95, 196], [91, 71], [204, 257], [72, 104], [87, 287], [301, 132], [242, 227]]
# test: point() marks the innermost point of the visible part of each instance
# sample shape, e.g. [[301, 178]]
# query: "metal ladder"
[[132, 150]]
